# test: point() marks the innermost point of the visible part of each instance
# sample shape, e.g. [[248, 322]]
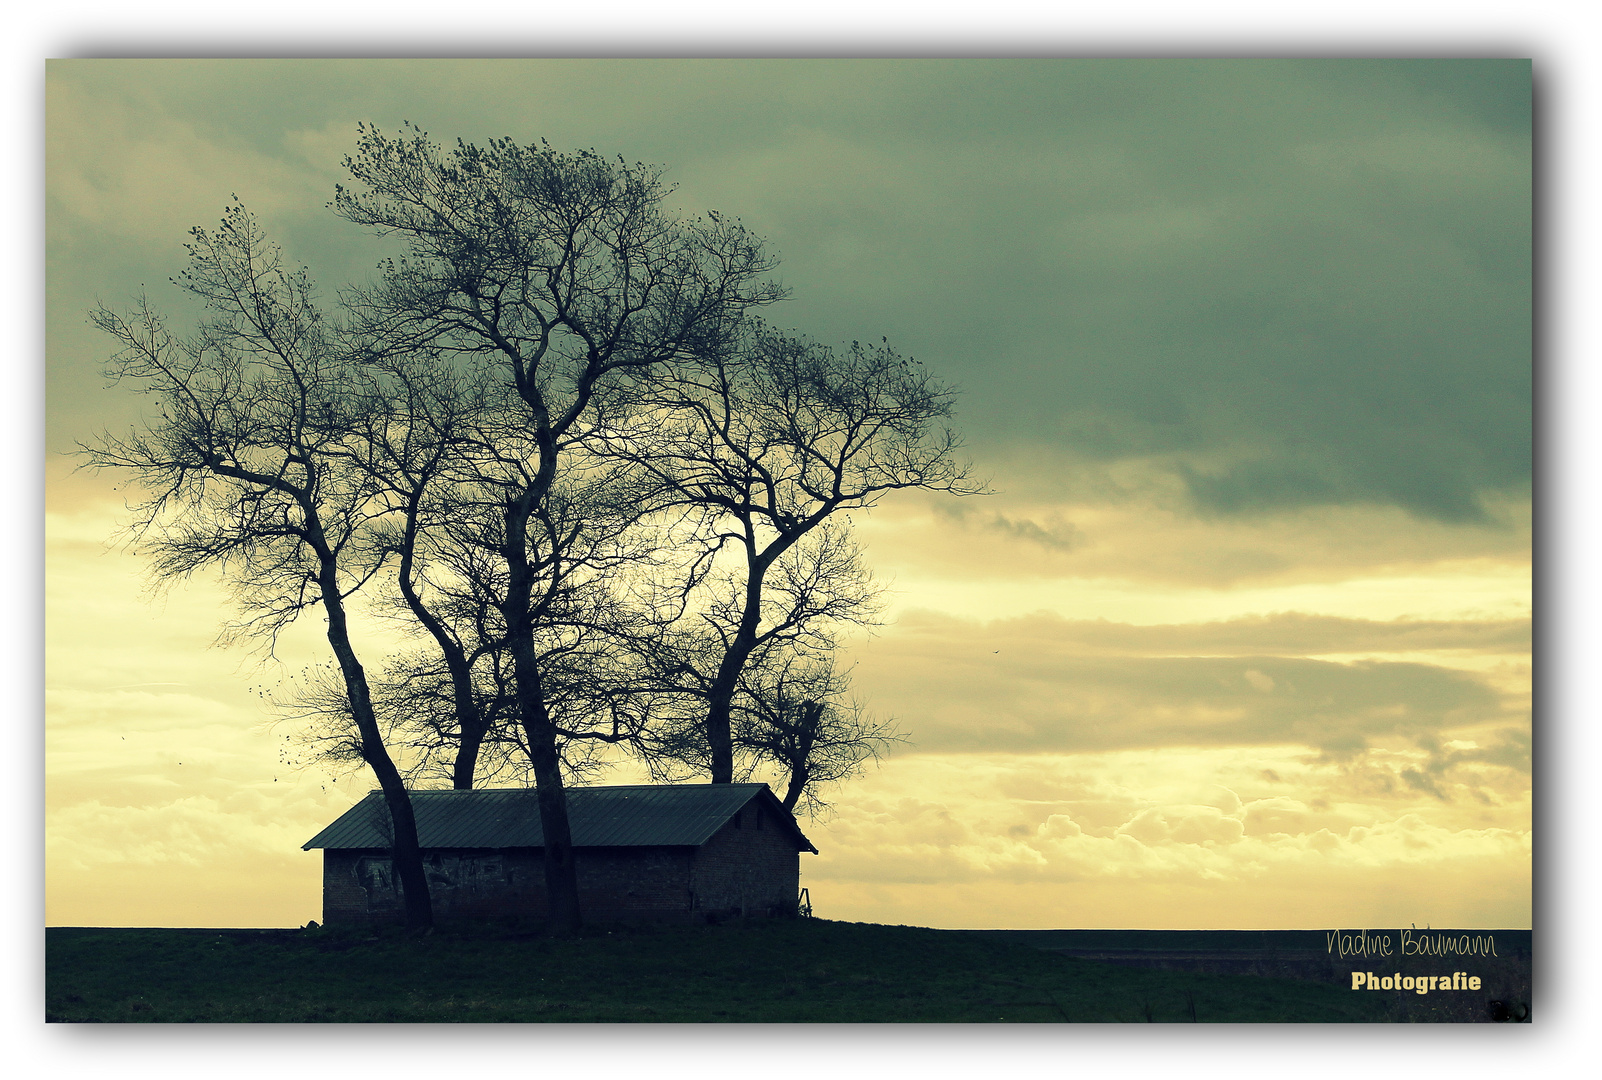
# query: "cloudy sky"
[[1242, 639]]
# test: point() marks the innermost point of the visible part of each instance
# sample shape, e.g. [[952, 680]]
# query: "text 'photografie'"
[[1419, 984]]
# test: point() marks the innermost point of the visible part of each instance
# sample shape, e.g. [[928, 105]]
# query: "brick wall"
[[344, 899], [750, 867], [615, 884], [628, 884]]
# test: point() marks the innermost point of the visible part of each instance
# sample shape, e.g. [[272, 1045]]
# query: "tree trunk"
[[561, 875], [466, 763], [799, 775], [806, 737], [407, 854], [469, 722], [719, 736], [720, 698]]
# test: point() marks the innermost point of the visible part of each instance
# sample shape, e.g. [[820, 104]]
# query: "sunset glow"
[[1242, 636]]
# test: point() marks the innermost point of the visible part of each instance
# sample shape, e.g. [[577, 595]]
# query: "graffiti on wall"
[[473, 874]]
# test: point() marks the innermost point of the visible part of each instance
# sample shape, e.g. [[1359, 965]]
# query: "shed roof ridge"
[[602, 815], [755, 784]]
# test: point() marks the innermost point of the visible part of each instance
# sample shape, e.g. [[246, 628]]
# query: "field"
[[801, 971]]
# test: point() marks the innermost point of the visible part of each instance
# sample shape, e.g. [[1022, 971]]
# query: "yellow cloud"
[[1263, 860]]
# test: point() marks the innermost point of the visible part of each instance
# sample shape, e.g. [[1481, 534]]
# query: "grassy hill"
[[804, 971]]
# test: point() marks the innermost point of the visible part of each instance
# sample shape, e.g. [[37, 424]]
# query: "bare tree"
[[249, 468], [564, 275], [795, 715], [775, 441]]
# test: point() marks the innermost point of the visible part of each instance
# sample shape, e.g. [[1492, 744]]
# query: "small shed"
[[682, 853]]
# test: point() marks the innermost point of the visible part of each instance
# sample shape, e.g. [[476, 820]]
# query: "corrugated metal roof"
[[680, 815]]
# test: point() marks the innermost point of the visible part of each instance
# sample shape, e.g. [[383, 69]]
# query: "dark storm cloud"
[[1300, 283], [1308, 283]]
